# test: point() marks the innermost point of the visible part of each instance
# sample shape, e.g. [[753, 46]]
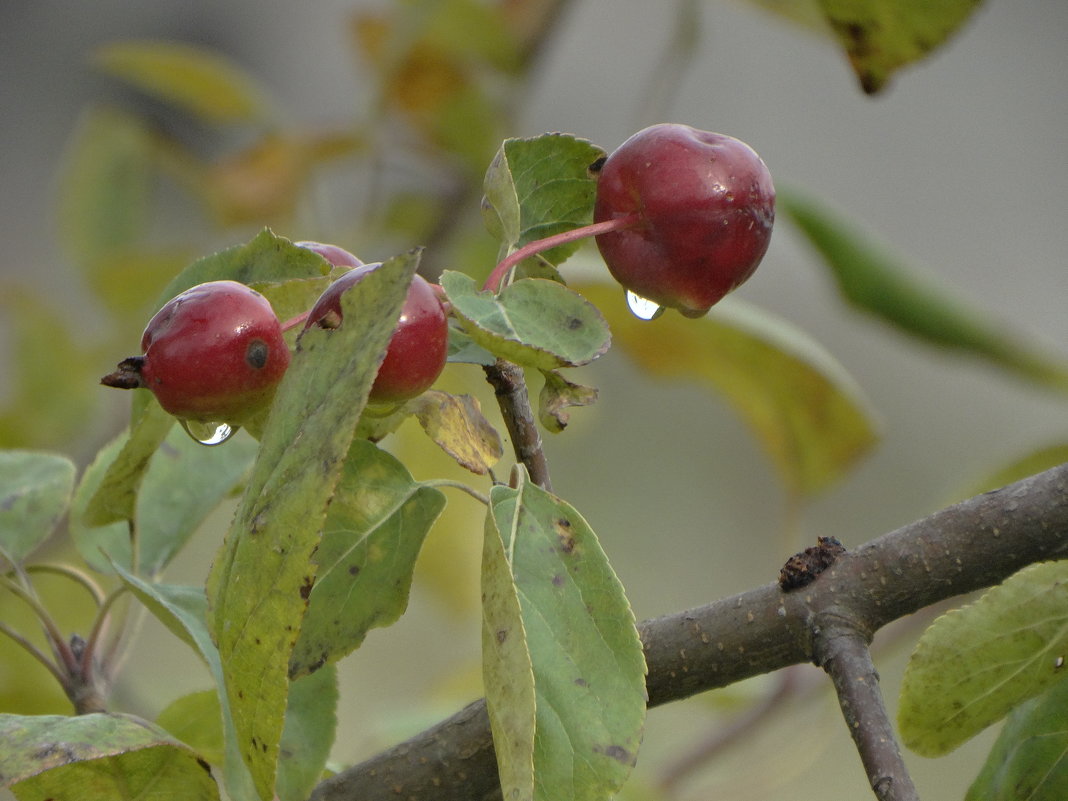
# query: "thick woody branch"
[[966, 547]]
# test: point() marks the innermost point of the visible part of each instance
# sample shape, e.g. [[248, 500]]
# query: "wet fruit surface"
[[705, 204], [214, 353]]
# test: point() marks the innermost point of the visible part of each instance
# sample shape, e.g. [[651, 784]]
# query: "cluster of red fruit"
[[683, 217], [215, 353]]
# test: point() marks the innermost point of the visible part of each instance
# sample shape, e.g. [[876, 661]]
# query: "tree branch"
[[963, 548], [842, 651], [510, 386]]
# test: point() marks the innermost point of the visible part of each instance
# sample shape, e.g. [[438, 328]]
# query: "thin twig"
[[842, 651], [55, 637], [510, 386], [74, 574], [35, 652], [459, 485]]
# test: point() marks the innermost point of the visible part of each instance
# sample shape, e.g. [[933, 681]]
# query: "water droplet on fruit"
[[643, 308], [208, 433]]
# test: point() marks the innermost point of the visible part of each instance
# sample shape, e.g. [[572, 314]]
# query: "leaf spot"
[[618, 753]]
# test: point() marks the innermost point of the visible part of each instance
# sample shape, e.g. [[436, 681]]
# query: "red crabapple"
[[419, 345], [704, 204], [214, 353]]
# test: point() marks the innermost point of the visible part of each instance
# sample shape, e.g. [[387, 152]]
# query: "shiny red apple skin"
[[706, 204], [337, 256], [214, 353], [418, 348]]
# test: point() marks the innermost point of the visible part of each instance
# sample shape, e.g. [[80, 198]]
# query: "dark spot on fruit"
[[256, 354], [803, 568]]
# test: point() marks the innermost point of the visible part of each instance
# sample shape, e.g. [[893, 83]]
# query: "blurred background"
[[959, 165]]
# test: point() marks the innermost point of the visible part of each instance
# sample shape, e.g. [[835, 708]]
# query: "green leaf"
[[261, 580], [113, 494], [35, 490], [563, 665], [184, 611], [267, 258], [873, 280], [1029, 760], [462, 349], [973, 665], [556, 396], [800, 403], [456, 424], [374, 529], [107, 757], [105, 187], [201, 81], [196, 720], [533, 322], [538, 187], [311, 721], [880, 36], [308, 736], [182, 483]]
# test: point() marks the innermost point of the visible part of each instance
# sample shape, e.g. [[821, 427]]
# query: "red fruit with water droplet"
[[704, 205], [214, 353]]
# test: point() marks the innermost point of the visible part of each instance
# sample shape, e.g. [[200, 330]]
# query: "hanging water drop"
[[208, 433], [643, 308]]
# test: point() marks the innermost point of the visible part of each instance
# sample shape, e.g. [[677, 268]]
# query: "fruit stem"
[[293, 322], [496, 278]]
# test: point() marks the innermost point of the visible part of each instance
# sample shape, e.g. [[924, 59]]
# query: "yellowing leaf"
[[261, 580], [108, 757], [556, 396], [973, 665], [880, 36], [199, 80], [456, 424], [800, 403]]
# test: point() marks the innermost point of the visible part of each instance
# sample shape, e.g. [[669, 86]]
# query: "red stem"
[[496, 277], [293, 322]]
